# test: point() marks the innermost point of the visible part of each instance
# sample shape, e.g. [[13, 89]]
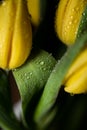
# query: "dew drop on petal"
[[71, 17], [70, 22]]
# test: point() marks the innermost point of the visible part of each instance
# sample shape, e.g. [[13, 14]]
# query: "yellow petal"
[[7, 13], [34, 10], [78, 63], [77, 83], [22, 36], [15, 33]]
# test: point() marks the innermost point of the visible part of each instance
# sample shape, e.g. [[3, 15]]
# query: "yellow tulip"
[[70, 23], [15, 33], [69, 19], [76, 79], [36, 10]]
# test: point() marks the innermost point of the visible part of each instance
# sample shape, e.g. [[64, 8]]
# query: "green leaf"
[[56, 78], [31, 78], [8, 122], [5, 91], [7, 118]]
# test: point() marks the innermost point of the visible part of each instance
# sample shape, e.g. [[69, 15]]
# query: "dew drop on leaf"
[[42, 63], [31, 73], [27, 77], [44, 69], [83, 14]]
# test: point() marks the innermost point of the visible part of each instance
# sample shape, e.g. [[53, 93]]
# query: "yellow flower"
[[15, 33], [76, 79], [36, 10], [69, 19], [70, 23]]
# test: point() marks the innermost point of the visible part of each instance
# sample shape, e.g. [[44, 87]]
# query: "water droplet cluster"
[[33, 75], [72, 20]]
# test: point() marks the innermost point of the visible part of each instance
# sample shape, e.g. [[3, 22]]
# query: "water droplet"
[[83, 14], [73, 10], [75, 33], [71, 17], [30, 73], [44, 69], [27, 77], [70, 22], [42, 63]]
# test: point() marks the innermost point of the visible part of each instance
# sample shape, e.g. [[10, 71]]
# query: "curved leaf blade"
[[7, 118], [32, 76], [55, 80]]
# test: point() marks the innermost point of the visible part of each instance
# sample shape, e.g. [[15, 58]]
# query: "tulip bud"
[[70, 23], [36, 9], [70, 20], [15, 33], [76, 79]]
